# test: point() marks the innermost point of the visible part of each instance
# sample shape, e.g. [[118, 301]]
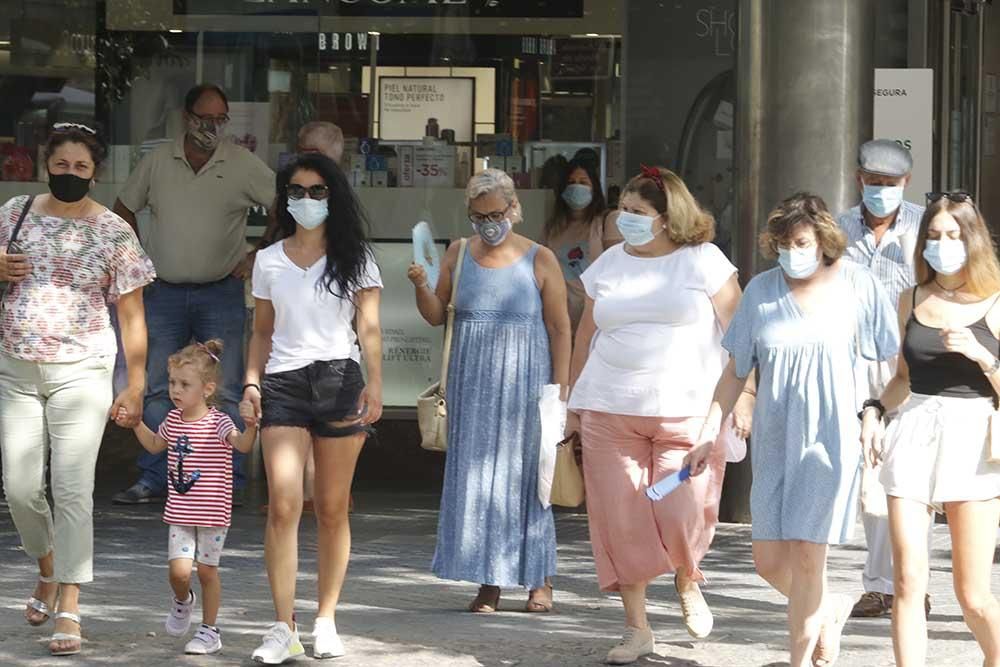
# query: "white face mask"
[[798, 263], [946, 256], [309, 213]]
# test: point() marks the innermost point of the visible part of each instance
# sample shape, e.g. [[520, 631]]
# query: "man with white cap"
[[881, 234]]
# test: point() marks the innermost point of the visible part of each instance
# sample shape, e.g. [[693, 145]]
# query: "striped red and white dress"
[[208, 501]]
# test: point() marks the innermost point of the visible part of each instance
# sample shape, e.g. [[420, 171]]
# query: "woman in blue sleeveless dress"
[[511, 337]]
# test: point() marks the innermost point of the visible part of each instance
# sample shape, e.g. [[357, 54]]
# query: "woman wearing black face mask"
[[70, 258]]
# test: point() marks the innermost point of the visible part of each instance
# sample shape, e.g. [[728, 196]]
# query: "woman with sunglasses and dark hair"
[[305, 384], [511, 338], [938, 455], [70, 258]]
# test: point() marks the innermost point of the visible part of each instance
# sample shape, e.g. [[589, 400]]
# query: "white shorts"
[[208, 540], [936, 451]]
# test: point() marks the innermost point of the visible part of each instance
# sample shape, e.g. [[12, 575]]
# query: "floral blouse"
[[59, 312]]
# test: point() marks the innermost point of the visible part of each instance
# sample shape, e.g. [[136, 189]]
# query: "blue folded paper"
[[668, 484], [425, 253]]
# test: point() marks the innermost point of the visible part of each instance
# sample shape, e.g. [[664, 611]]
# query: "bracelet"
[[991, 371], [251, 384], [872, 403]]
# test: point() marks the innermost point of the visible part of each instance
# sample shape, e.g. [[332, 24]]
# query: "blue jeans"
[[176, 315]]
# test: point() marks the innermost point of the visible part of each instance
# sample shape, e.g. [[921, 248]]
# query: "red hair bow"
[[653, 173]]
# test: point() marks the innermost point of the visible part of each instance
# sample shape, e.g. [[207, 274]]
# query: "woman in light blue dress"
[[802, 327], [511, 338]]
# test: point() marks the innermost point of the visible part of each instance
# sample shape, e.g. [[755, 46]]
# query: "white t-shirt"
[[310, 324], [657, 351]]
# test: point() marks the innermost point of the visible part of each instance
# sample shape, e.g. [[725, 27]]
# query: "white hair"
[[493, 181]]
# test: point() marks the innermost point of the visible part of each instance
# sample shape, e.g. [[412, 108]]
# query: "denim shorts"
[[314, 397]]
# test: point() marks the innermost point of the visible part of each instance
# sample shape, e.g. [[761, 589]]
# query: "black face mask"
[[68, 188]]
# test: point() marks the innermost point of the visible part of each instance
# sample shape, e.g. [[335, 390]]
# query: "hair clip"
[[63, 127], [653, 173], [204, 348]]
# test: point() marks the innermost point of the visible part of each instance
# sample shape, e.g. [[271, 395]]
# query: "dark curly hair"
[[75, 133], [347, 246]]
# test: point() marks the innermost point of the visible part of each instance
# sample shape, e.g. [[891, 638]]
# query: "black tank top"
[[935, 371]]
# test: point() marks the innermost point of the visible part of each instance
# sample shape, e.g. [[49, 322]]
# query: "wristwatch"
[[872, 403], [989, 372]]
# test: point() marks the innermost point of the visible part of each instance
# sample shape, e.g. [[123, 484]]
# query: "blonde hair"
[[206, 358], [494, 181], [686, 221], [982, 270], [803, 208]]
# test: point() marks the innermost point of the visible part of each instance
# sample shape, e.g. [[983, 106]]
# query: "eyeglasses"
[[959, 197], [215, 120], [318, 191], [66, 127], [494, 216]]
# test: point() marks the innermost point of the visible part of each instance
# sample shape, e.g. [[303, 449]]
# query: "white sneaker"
[[279, 644], [205, 641], [697, 616], [326, 641], [635, 643], [179, 618]]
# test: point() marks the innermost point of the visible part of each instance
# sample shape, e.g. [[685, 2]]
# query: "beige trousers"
[[55, 414]]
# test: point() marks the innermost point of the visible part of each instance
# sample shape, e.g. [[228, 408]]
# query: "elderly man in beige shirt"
[[198, 189]]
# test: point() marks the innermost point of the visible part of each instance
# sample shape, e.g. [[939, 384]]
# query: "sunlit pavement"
[[393, 612]]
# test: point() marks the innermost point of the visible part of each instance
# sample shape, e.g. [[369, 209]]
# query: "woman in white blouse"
[[647, 355]]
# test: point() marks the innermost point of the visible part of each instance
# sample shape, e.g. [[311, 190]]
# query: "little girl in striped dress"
[[199, 440]]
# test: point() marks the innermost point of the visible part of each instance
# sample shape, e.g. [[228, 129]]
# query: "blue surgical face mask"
[[309, 213], [493, 233], [577, 196], [798, 263], [882, 200], [637, 230], [946, 256]]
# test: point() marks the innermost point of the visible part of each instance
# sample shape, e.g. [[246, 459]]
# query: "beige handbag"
[[994, 436], [432, 406], [567, 480]]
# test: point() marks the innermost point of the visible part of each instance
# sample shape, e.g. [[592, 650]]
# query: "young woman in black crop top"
[[937, 454]]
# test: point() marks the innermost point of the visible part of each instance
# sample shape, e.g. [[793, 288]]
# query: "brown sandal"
[[536, 606], [487, 600]]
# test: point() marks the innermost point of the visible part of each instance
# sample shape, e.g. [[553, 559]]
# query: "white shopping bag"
[[425, 253], [553, 415], [736, 447]]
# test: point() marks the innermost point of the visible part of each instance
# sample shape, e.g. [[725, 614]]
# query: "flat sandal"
[[536, 607], [486, 602]]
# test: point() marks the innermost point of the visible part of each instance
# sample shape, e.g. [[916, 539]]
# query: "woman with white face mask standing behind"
[[511, 338], [802, 326], [578, 229], [938, 454], [647, 356]]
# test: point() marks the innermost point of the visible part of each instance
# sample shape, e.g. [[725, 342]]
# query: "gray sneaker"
[[205, 642], [138, 494]]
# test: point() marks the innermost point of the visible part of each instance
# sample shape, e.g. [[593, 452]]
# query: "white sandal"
[[34, 604], [66, 636]]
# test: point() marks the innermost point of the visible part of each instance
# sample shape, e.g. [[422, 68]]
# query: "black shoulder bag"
[[12, 247]]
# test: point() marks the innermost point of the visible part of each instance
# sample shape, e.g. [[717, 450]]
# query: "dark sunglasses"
[[318, 191], [959, 197]]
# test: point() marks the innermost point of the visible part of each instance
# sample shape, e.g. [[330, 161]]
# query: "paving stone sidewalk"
[[393, 612]]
